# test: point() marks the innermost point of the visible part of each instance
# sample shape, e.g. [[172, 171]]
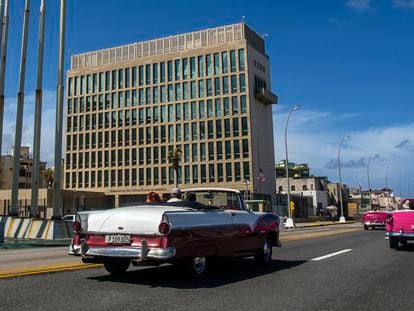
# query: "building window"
[[241, 59], [220, 172], [224, 60], [233, 84], [209, 65], [185, 68], [200, 66], [177, 63], [162, 72], [229, 175], [154, 73], [233, 60], [216, 63], [242, 81]]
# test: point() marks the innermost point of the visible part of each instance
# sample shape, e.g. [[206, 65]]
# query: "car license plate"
[[117, 239]]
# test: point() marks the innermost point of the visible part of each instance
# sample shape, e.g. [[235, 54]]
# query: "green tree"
[[174, 156], [48, 175]]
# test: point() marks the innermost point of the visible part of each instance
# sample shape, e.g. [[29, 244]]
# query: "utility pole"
[[57, 189], [4, 29], [19, 114], [38, 114]]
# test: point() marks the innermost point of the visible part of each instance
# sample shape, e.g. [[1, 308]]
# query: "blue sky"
[[348, 63]]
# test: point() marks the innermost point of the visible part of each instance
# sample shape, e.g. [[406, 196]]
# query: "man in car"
[[175, 195]]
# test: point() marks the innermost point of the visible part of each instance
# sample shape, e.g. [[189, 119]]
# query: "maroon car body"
[[217, 224]]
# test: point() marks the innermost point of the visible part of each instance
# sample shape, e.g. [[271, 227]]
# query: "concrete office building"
[[206, 93]]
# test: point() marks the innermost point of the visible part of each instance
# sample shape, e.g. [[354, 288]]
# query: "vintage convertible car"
[[400, 225], [374, 219], [217, 224]]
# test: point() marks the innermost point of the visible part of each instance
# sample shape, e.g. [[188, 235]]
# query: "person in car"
[[153, 197], [175, 195]]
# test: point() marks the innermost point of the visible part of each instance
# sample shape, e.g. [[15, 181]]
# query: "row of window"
[[220, 128], [219, 150], [174, 70], [162, 94], [187, 174], [293, 188], [164, 113]]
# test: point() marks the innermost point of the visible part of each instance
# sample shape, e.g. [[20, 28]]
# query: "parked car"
[[400, 226], [217, 224], [374, 219]]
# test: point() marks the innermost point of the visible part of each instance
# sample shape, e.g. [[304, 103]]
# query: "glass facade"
[[121, 123]]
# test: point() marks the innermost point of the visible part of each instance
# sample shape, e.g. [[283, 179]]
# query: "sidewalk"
[[322, 223]]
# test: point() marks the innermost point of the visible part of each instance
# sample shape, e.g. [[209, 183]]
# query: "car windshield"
[[222, 199]]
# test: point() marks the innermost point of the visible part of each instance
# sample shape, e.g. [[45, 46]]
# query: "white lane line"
[[332, 254]]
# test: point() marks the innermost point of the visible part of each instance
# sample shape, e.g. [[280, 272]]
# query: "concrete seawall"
[[26, 228]]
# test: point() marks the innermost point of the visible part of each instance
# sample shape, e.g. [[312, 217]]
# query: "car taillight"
[[389, 219], [77, 226], [164, 228]]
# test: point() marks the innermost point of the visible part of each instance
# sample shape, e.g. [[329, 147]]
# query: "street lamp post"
[[386, 185], [289, 221], [342, 218], [369, 182], [246, 182], [399, 183]]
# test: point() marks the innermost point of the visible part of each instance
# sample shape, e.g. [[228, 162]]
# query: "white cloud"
[[359, 5], [47, 148], [314, 138], [403, 4]]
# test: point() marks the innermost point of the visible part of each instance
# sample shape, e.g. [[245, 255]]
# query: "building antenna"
[[243, 19]]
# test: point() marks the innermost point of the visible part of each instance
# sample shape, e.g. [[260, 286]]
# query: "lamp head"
[[296, 108]]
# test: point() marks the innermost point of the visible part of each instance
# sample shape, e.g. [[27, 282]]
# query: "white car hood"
[[132, 220]]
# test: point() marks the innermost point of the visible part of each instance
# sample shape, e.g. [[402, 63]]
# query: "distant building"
[[295, 170], [25, 170], [320, 189], [205, 92], [382, 199]]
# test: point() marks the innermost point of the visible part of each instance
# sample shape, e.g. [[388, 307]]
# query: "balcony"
[[265, 96]]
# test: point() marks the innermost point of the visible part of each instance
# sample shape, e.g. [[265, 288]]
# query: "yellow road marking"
[[10, 227], [314, 235], [30, 228], [45, 269], [49, 222]]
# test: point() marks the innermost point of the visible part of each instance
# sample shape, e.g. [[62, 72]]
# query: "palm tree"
[[174, 156], [48, 175]]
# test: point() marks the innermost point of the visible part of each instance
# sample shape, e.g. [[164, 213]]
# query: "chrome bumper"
[[128, 252], [74, 250], [376, 224], [400, 234]]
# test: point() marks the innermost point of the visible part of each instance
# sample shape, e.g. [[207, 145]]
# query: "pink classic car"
[[217, 224], [374, 219], [400, 225]]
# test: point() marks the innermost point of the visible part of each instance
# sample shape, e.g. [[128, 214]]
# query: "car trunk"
[[403, 220]]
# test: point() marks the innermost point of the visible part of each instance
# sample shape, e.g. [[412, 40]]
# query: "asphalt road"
[[366, 275]]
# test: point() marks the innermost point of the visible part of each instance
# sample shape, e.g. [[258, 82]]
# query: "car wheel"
[[403, 242], [366, 227], [264, 255], [393, 242], [116, 266], [199, 266]]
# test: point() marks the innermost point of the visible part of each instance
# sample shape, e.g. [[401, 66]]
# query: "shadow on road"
[[220, 273], [407, 248]]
